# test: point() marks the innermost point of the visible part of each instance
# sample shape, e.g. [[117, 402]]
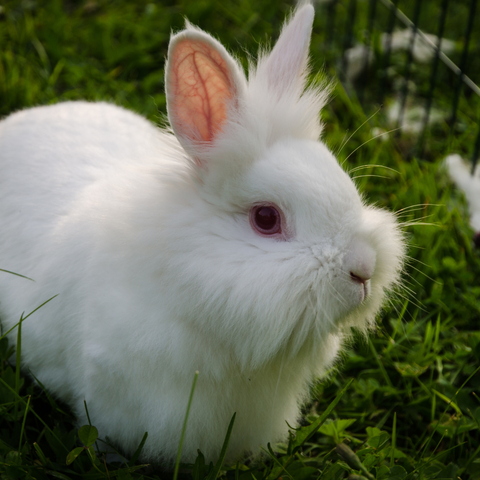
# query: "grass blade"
[[138, 451], [23, 424], [303, 434], [216, 469], [184, 428], [33, 412], [17, 365], [17, 274], [394, 439], [24, 318]]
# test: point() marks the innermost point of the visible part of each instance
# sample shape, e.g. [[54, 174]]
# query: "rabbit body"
[[151, 242]]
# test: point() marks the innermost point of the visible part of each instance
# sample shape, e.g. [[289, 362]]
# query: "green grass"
[[405, 401]]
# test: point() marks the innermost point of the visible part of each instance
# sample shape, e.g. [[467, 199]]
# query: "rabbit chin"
[[362, 317], [315, 326]]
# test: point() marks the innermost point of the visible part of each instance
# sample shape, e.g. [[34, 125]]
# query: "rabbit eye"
[[266, 219]]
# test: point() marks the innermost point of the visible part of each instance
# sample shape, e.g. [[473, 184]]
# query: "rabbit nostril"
[[358, 278]]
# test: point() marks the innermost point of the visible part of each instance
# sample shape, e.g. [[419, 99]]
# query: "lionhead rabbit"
[[234, 245]]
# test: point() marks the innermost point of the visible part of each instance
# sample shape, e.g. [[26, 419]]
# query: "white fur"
[[460, 173], [159, 273]]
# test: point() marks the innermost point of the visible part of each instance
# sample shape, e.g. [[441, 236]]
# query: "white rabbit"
[[461, 175], [236, 246]]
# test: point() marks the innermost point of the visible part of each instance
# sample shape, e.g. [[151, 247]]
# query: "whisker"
[[371, 175], [418, 247], [408, 289], [350, 137], [360, 167], [393, 305], [342, 143], [414, 224], [404, 214], [419, 205], [424, 217], [417, 221], [337, 295], [412, 301], [326, 315], [392, 301], [368, 141], [423, 273], [408, 257], [407, 280]]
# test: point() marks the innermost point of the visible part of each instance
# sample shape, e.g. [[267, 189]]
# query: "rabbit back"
[[65, 170]]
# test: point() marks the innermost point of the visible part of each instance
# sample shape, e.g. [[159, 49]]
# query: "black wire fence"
[[420, 60]]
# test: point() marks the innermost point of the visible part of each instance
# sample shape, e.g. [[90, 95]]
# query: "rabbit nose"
[[359, 261]]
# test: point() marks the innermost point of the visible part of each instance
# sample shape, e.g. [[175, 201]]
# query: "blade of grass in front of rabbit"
[[89, 421], [138, 451], [184, 428], [17, 274], [17, 366], [216, 469], [24, 318], [23, 424]]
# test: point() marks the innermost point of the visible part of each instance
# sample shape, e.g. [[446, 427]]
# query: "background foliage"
[[412, 409]]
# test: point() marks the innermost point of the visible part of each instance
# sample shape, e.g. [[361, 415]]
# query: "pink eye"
[[266, 219]]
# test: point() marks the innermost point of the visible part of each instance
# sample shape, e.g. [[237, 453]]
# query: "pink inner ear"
[[200, 87]]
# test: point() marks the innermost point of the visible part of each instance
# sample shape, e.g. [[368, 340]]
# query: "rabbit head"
[[290, 255]]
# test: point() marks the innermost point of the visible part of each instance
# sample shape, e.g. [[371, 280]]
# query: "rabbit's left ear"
[[204, 85], [285, 66]]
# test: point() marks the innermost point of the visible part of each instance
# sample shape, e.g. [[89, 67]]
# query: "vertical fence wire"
[[372, 8], [330, 20], [463, 64], [476, 151], [408, 66], [352, 8], [433, 76], [387, 49]]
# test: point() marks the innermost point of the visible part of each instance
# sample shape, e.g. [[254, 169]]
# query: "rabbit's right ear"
[[203, 86], [286, 65]]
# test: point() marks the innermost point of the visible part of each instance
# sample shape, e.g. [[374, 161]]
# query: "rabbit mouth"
[[367, 289], [364, 285]]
